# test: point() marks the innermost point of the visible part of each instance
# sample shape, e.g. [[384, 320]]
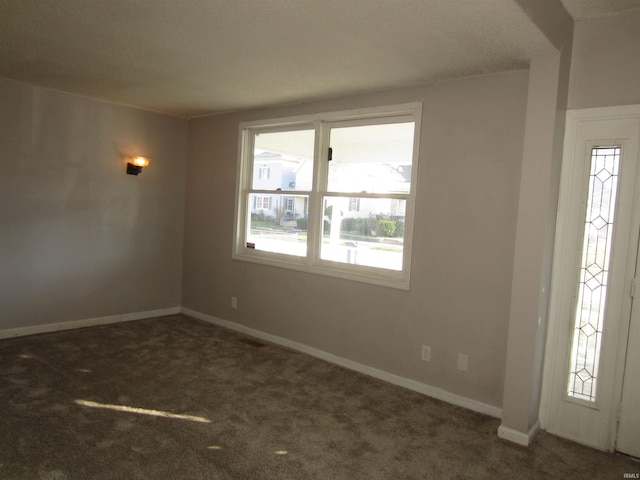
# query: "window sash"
[[357, 155]]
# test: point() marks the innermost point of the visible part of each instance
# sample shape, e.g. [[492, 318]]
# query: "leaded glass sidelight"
[[594, 273]]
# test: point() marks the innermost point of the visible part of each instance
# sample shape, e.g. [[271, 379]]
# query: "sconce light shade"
[[136, 164]]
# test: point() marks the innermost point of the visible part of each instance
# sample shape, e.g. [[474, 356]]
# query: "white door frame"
[[564, 258]]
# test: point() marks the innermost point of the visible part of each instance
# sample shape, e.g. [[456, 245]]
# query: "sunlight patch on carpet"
[[141, 411]]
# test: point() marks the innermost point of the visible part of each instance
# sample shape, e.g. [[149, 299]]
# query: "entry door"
[[589, 395], [628, 440]]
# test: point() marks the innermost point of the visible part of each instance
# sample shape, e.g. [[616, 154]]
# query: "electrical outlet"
[[463, 362], [234, 302], [426, 353]]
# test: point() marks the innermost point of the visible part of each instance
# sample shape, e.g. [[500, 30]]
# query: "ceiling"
[[197, 57], [584, 9]]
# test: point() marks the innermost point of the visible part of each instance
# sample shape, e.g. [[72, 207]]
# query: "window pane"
[[371, 235], [278, 223], [594, 273], [371, 158], [283, 160]]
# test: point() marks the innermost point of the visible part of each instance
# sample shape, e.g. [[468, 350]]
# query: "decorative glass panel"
[[594, 273]]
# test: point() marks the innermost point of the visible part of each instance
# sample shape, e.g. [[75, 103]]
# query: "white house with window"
[[276, 172]]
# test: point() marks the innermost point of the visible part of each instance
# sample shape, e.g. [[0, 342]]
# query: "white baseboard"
[[414, 385], [518, 437], [88, 322]]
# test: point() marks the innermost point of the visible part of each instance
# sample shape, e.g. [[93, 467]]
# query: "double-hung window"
[[339, 195]]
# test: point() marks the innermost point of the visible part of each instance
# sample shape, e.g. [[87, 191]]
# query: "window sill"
[[374, 276]]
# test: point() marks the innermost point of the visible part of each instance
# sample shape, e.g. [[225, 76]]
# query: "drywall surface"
[[467, 194], [79, 238], [548, 80], [605, 68]]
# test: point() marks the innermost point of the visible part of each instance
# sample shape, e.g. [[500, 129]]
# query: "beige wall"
[[468, 177], [605, 70], [79, 238]]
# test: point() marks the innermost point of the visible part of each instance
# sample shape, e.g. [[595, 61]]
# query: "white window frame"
[[264, 172], [289, 204], [261, 200], [321, 123]]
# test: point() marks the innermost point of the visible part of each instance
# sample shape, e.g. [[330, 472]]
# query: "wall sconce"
[[136, 164]]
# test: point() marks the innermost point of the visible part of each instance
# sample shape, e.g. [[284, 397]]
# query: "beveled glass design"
[[594, 273]]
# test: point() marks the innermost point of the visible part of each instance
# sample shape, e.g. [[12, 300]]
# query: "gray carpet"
[[176, 398]]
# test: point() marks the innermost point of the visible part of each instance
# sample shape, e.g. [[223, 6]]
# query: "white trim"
[[87, 322], [604, 113], [414, 385], [335, 116], [515, 436]]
